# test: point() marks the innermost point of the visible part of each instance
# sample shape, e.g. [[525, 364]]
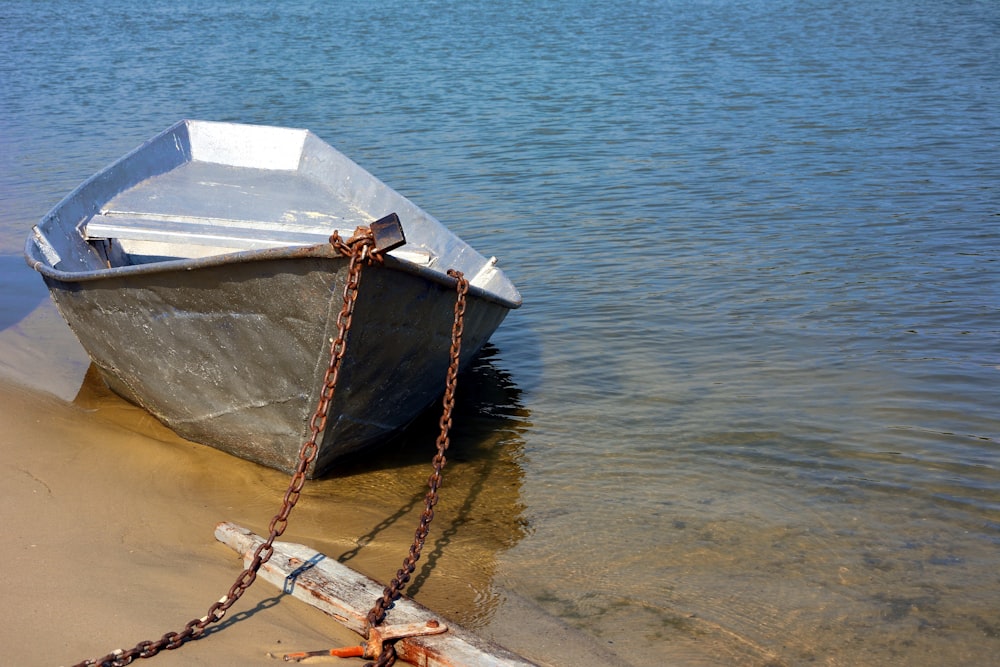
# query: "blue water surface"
[[757, 365]]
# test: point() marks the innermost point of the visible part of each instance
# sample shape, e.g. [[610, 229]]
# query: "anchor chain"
[[395, 588], [361, 249]]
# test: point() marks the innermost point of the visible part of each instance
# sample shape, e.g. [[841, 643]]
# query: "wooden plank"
[[347, 595]]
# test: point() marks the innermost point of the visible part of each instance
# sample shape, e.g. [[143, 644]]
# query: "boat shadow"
[[480, 514]]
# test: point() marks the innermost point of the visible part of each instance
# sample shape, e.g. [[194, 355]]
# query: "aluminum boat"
[[197, 273]]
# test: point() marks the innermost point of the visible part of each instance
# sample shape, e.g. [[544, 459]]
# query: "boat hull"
[[198, 274], [233, 355]]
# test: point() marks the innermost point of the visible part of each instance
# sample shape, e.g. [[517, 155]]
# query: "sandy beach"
[[109, 542]]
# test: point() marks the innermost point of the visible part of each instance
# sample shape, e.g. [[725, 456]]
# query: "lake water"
[[749, 412]]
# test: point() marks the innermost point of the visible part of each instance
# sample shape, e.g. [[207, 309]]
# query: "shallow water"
[[748, 412]]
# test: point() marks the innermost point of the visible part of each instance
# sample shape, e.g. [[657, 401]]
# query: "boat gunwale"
[[323, 251]]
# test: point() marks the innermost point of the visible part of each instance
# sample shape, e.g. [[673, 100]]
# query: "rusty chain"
[[360, 248], [394, 590]]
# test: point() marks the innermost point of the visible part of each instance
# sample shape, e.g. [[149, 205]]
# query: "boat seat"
[[174, 230], [150, 237]]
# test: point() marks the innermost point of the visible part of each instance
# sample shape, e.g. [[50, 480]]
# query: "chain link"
[[395, 588], [360, 249]]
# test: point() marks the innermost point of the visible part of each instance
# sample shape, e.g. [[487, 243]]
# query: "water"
[[749, 409]]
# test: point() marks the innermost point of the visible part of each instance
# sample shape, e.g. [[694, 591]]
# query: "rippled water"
[[749, 411]]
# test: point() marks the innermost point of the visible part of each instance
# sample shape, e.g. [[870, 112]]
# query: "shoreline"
[[110, 518]]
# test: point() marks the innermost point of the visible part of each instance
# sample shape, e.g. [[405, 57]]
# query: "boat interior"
[[201, 209], [204, 189]]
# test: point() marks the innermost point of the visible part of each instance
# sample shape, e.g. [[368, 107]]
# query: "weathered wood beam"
[[346, 595]]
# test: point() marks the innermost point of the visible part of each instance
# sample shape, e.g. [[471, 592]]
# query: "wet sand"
[[109, 520]]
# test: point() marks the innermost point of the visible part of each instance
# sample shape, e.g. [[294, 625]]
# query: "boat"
[[198, 274]]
